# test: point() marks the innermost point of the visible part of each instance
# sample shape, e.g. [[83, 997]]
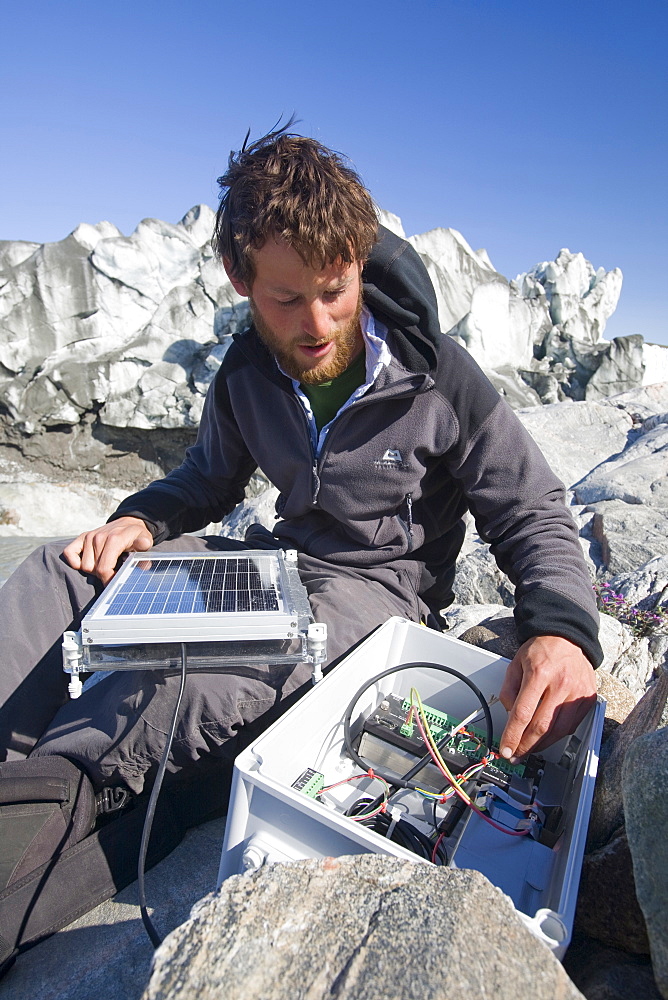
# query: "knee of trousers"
[[118, 729]]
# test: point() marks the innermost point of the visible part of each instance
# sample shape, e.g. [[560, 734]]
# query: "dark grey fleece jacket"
[[431, 439]]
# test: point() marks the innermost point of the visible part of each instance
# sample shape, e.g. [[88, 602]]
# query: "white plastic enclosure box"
[[270, 821]]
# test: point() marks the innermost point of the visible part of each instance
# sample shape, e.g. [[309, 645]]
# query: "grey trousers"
[[117, 729]]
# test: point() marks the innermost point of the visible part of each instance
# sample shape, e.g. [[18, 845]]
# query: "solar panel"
[[194, 586], [197, 597]]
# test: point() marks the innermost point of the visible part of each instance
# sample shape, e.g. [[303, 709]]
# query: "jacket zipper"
[[317, 463], [409, 513], [407, 523], [316, 483], [315, 477]]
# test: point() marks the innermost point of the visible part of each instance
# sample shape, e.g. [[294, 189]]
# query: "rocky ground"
[[107, 346]]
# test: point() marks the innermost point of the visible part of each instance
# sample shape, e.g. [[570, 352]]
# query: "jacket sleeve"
[[208, 484], [519, 508]]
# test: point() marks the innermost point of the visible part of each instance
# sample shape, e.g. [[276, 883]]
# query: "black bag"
[[54, 868], [47, 804]]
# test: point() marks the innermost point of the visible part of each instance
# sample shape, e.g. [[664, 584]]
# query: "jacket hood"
[[398, 289]]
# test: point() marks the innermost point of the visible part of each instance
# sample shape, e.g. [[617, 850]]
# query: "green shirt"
[[327, 398]]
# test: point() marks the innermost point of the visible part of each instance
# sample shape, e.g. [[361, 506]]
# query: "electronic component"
[[310, 782], [362, 762], [388, 740]]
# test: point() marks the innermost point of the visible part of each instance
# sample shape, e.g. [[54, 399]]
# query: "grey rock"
[[603, 973], [255, 510], [645, 792], [638, 475], [644, 402], [607, 908], [577, 437], [498, 635], [479, 580], [630, 534], [360, 927], [460, 617], [607, 814], [645, 587], [631, 659], [619, 701], [621, 367]]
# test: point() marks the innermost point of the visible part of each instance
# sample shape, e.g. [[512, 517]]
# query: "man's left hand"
[[548, 689]]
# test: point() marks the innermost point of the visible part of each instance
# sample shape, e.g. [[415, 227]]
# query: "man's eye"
[[287, 302], [334, 293]]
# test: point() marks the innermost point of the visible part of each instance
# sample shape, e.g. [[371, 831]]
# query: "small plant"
[[640, 623]]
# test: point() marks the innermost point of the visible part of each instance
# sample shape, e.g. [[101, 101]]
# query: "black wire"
[[405, 782], [150, 811], [403, 832]]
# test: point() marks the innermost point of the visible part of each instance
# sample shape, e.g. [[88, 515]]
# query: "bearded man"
[[380, 434]]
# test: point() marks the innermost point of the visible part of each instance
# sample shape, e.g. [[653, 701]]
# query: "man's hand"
[[548, 689], [98, 551]]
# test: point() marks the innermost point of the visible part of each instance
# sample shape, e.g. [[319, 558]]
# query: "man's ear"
[[239, 286]]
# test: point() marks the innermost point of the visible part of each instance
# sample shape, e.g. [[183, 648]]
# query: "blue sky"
[[528, 127]]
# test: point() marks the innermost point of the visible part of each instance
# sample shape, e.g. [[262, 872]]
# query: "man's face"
[[309, 319]]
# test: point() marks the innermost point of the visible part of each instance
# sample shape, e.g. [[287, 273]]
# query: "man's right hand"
[[99, 550]]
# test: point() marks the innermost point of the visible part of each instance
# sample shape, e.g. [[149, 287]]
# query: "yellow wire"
[[416, 702]]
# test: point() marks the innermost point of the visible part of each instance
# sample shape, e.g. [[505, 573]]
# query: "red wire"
[[465, 798], [355, 777], [434, 853]]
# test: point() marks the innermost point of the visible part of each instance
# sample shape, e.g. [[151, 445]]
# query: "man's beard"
[[347, 348]]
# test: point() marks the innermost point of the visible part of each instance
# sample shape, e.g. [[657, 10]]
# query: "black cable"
[[150, 811], [405, 782], [403, 832]]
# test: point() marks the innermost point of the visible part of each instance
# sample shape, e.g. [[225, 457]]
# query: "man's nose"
[[317, 322]]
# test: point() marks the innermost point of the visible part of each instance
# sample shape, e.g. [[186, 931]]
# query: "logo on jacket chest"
[[392, 459]]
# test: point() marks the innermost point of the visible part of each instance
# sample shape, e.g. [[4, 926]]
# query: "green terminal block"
[[440, 724], [310, 782]]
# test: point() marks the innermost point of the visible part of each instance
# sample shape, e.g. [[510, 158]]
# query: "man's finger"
[[512, 683], [541, 728], [569, 718], [88, 555], [72, 552], [520, 715]]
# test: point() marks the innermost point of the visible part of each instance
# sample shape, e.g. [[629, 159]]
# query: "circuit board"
[[391, 739]]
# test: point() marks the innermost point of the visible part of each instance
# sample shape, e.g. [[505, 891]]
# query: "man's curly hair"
[[289, 187]]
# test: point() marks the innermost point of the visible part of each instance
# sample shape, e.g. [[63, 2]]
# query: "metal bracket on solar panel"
[[72, 662], [316, 644]]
